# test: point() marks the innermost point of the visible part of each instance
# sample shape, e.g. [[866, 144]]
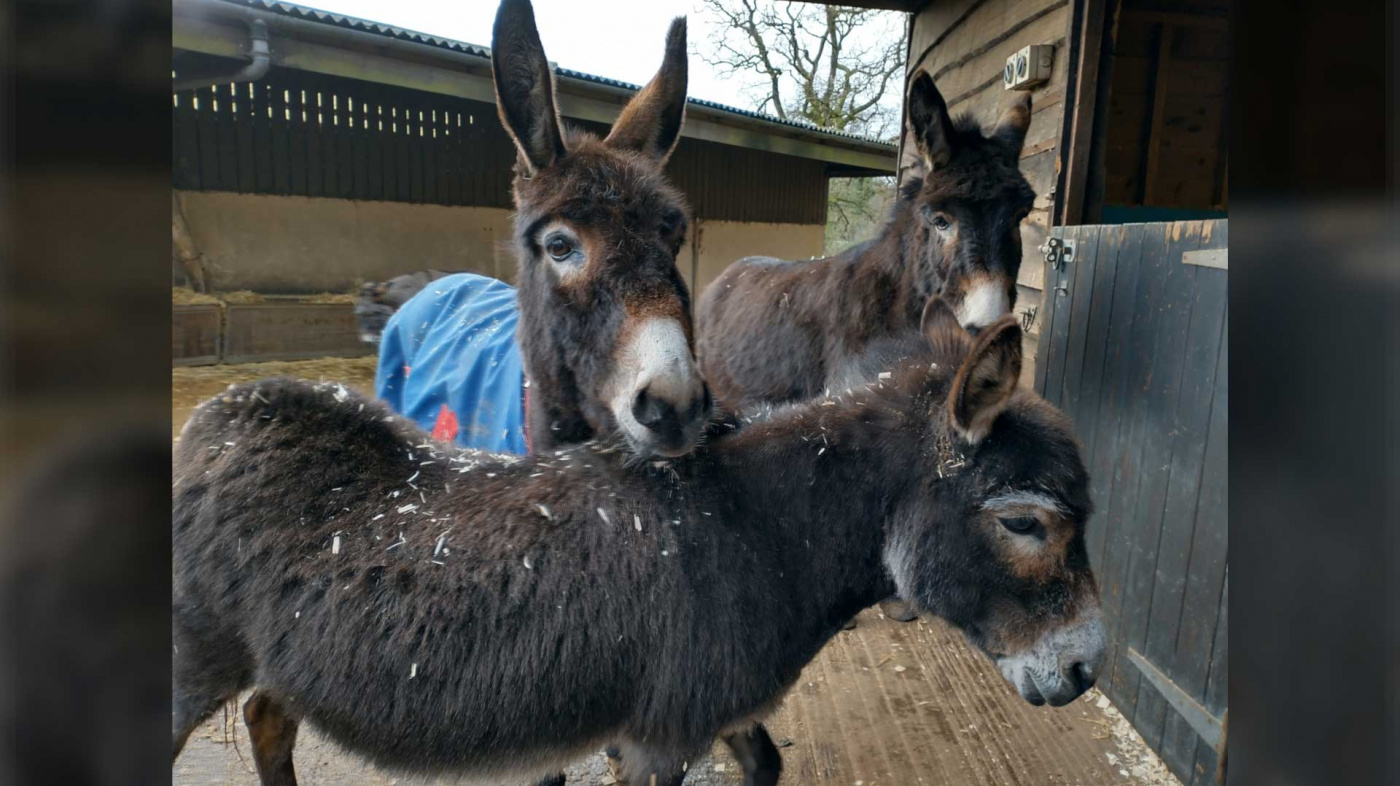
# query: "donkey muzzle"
[[1061, 665], [661, 403]]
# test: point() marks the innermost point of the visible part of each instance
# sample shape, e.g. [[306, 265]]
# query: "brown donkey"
[[775, 331], [446, 611], [605, 331]]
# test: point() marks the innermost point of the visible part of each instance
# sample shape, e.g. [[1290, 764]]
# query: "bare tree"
[[834, 67], [828, 65]]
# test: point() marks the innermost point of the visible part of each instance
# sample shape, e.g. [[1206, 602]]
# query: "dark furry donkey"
[[453, 612], [774, 331], [605, 332]]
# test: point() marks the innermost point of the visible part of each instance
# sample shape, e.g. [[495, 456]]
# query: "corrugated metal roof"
[[378, 28]]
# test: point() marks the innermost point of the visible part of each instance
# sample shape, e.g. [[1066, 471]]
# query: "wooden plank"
[[345, 144], [430, 163], [195, 334], [315, 164], [186, 142], [1046, 317], [260, 116], [1079, 300], [1097, 330], [1159, 391], [227, 122], [246, 127], [360, 140], [375, 140], [1190, 427], [1133, 371], [208, 135], [1062, 291], [415, 153], [279, 103], [330, 142], [403, 174], [280, 331], [1113, 404], [1160, 87], [1217, 689], [296, 142], [1085, 60]]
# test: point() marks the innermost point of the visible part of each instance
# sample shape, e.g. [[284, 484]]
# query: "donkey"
[[604, 336], [379, 300], [439, 610], [774, 331]]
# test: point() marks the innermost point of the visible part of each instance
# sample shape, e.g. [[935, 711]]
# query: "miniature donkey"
[[605, 331], [775, 331], [448, 611]]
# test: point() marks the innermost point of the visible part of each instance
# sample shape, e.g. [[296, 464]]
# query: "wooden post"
[[1160, 86], [1088, 44], [186, 252]]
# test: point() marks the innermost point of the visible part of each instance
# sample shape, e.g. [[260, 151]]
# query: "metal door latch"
[[1058, 252]]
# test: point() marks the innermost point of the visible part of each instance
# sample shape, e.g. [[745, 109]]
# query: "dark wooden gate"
[[1134, 347]]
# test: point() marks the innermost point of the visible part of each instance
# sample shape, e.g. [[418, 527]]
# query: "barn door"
[[1133, 347]]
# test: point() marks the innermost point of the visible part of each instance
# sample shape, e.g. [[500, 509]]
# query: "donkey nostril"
[[652, 412], [1080, 676]]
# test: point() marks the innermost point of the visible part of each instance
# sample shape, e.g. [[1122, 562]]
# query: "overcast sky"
[[619, 39]]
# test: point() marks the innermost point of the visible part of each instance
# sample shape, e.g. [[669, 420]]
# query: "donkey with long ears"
[[774, 331], [447, 611], [605, 334]]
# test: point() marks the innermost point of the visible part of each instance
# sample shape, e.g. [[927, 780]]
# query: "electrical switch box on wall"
[[1028, 67]]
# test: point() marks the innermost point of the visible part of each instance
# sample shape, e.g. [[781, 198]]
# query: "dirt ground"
[[885, 704]]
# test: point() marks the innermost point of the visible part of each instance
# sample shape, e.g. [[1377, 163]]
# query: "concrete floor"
[[885, 704]]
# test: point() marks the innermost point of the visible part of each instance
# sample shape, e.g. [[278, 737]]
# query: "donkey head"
[[993, 541], [605, 313], [968, 206]]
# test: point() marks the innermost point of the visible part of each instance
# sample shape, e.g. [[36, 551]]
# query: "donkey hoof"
[[613, 752], [850, 624], [898, 610]]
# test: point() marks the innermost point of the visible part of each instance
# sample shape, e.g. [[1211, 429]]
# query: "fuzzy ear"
[[986, 379], [929, 123], [525, 86], [651, 121], [1015, 121], [939, 325]]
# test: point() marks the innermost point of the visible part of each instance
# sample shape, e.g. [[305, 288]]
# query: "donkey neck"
[[891, 262], [820, 479], [557, 411]]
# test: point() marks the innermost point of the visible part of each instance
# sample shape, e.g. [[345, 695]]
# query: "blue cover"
[[449, 361]]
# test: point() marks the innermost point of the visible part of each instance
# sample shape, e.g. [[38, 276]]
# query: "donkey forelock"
[[597, 231]]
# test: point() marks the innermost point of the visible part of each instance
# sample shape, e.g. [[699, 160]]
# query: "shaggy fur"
[[773, 331], [445, 611]]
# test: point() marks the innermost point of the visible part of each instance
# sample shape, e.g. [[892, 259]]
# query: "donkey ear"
[[986, 379], [929, 122], [1015, 121], [941, 330], [651, 121], [525, 86]]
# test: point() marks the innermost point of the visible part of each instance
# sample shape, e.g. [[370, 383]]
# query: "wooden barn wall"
[[1166, 123], [1134, 349], [299, 133], [963, 45]]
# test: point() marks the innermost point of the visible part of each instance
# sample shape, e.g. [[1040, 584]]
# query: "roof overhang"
[[217, 27]]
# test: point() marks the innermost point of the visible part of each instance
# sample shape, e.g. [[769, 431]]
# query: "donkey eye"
[[940, 222], [559, 248], [1021, 525]]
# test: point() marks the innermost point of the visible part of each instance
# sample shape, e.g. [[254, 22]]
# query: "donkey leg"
[[757, 754], [274, 734], [898, 610], [206, 671], [648, 765]]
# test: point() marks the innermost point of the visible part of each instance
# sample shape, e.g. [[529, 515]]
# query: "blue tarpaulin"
[[448, 360]]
